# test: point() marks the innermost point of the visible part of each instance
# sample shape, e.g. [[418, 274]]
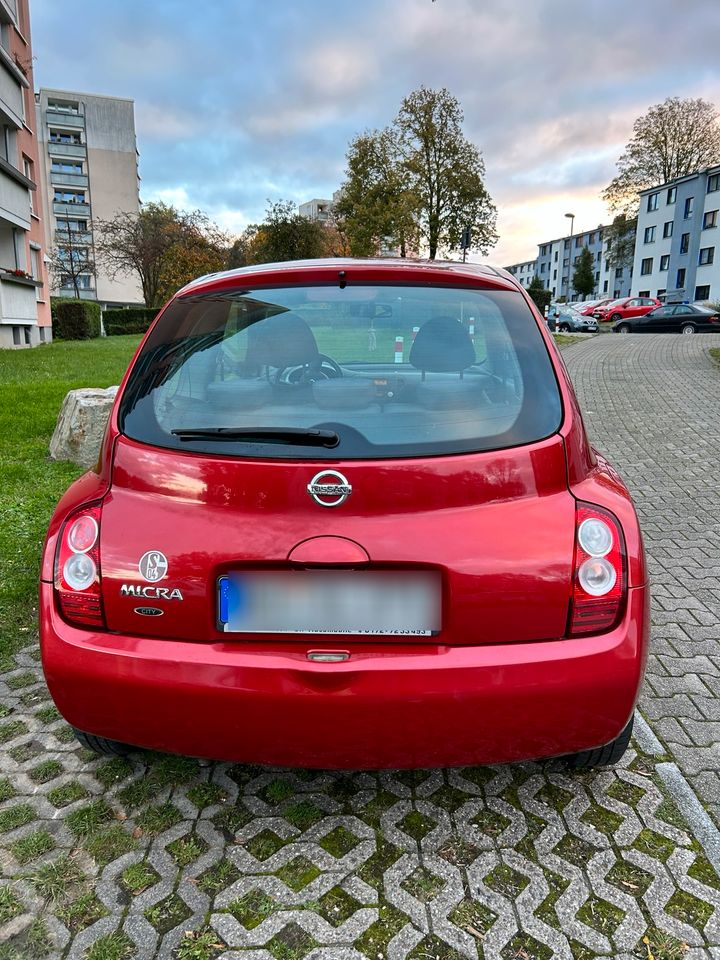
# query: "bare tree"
[[163, 247], [71, 258], [673, 139]]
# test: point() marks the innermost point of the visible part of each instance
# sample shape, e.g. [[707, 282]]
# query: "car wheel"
[[615, 317], [602, 756], [564, 328], [624, 328], [687, 328], [106, 748]]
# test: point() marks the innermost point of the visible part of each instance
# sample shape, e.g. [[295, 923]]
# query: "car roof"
[[326, 270]]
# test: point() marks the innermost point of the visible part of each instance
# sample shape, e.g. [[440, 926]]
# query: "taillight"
[[600, 571], [77, 569]]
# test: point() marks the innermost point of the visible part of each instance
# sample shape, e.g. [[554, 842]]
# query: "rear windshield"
[[354, 373]]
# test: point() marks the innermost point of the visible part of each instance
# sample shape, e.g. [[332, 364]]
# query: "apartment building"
[[24, 301], [675, 251], [316, 209], [557, 259], [89, 167]]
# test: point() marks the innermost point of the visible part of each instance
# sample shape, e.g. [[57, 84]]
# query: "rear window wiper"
[[302, 436]]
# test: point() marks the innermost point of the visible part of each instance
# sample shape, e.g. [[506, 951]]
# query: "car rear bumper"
[[387, 706]]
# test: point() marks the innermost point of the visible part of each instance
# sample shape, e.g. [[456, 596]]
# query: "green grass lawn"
[[715, 354], [33, 384]]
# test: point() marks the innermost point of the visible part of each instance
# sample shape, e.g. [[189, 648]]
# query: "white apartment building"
[[89, 166]]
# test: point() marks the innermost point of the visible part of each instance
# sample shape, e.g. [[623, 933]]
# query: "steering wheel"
[[323, 368]]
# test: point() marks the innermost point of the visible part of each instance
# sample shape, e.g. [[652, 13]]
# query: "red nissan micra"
[[346, 515]]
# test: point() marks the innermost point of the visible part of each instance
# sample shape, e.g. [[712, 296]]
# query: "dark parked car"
[[672, 318], [568, 320]]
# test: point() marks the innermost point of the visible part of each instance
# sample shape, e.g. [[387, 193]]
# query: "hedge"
[[75, 319], [131, 320]]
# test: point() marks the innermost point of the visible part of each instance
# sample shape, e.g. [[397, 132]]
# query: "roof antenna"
[[341, 278]]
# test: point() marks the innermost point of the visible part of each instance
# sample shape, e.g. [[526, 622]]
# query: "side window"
[[682, 311]]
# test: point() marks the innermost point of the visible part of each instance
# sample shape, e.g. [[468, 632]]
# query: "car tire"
[[564, 328], [102, 746], [687, 328], [624, 328], [602, 756], [615, 317]]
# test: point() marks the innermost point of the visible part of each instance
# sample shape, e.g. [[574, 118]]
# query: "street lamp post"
[[572, 224]]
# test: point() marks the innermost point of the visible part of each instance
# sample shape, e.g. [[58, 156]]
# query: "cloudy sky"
[[238, 101]]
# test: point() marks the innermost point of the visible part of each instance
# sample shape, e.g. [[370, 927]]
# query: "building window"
[[607, 266], [578, 241], [566, 245], [649, 234], [554, 274], [591, 238], [597, 276], [671, 194], [646, 266], [665, 262], [667, 228], [16, 336], [684, 243], [27, 335], [689, 204], [680, 279], [64, 106], [644, 293], [542, 267], [556, 256], [707, 255], [66, 166], [652, 202], [41, 331], [598, 256], [64, 136], [566, 262], [713, 183], [618, 272], [28, 171], [605, 286], [68, 196], [35, 263], [661, 294], [703, 292], [710, 219]]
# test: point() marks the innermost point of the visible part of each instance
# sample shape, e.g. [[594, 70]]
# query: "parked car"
[[672, 318], [588, 309], [568, 320], [308, 542], [626, 307]]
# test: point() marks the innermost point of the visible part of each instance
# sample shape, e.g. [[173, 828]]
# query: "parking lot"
[[168, 857]]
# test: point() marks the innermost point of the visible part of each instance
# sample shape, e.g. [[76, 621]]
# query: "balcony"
[[11, 94], [14, 202], [71, 209], [67, 149], [18, 301], [69, 179], [78, 238], [58, 118]]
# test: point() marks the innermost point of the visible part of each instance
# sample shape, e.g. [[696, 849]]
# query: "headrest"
[[442, 345], [283, 340]]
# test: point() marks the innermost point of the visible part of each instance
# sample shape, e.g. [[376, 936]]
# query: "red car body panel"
[[502, 680]]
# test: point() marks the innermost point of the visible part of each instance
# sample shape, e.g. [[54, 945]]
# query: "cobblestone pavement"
[[652, 405], [165, 857]]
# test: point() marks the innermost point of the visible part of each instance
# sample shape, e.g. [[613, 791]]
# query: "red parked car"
[[588, 310], [346, 515], [626, 307]]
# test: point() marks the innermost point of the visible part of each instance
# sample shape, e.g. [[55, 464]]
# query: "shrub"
[[539, 294], [75, 319], [132, 320]]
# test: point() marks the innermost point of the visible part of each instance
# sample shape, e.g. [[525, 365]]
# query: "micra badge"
[[149, 593]]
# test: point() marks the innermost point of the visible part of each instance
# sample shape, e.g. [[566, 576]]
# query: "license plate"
[[377, 603]]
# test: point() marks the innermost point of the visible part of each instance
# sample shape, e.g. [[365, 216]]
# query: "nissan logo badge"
[[329, 488]]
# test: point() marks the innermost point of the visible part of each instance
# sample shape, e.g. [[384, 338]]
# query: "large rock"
[[81, 425]]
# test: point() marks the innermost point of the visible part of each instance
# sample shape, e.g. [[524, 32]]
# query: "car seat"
[[443, 345]]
